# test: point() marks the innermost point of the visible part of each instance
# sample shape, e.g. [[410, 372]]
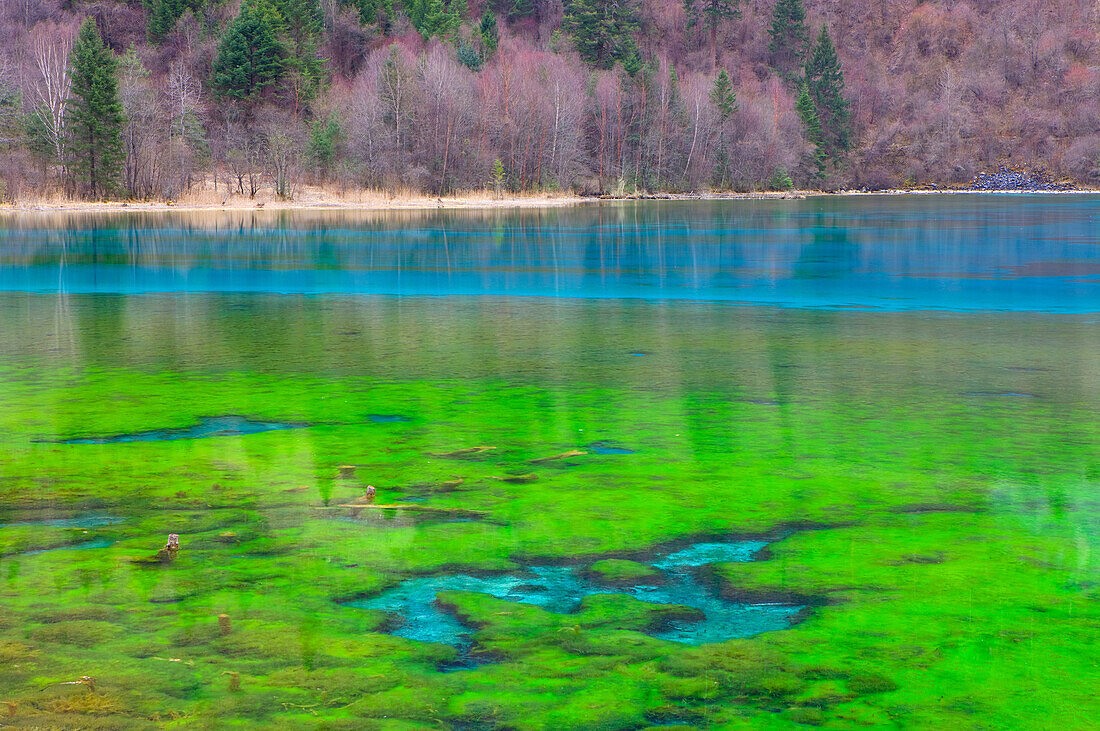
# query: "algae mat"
[[925, 484]]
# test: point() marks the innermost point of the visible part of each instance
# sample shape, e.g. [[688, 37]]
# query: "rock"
[[1008, 179]]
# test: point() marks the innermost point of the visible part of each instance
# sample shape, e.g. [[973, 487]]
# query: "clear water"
[[956, 253], [903, 388], [218, 426], [82, 546], [91, 520], [561, 588]]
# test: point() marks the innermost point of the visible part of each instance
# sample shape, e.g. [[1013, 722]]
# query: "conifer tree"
[[435, 17], [722, 95], [301, 22], [374, 11], [710, 14], [602, 31], [94, 117], [675, 98], [807, 112], [789, 37], [324, 140], [521, 9], [490, 34], [250, 56], [825, 83], [163, 15]]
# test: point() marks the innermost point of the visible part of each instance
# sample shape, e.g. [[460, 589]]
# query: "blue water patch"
[[92, 520], [386, 418], [561, 588], [86, 545], [217, 426], [1034, 253], [607, 446]]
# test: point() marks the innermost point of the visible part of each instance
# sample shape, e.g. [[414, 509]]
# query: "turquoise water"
[[895, 398], [218, 426], [561, 589], [952, 253]]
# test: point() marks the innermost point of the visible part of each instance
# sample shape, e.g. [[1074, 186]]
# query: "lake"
[[726, 464]]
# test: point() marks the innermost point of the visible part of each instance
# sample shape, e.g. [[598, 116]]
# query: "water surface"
[[905, 388]]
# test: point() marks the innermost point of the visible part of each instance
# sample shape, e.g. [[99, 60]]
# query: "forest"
[[153, 99]]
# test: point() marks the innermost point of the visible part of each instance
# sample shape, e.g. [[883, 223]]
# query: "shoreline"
[[376, 203]]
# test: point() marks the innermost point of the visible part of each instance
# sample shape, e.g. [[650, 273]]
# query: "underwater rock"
[[345, 471]]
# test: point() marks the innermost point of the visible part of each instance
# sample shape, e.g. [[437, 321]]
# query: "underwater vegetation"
[[571, 520]]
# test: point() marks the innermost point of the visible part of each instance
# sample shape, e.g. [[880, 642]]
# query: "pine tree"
[[603, 30], [373, 11], [301, 22], [807, 112], [789, 37], [521, 9], [250, 56], [324, 140], [710, 14], [435, 17], [676, 107], [825, 83], [722, 95], [163, 15], [490, 34], [94, 118], [496, 177]]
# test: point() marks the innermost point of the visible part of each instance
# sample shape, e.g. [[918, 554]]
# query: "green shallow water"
[[926, 482]]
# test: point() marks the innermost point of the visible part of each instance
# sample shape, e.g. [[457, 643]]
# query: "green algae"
[[619, 571], [948, 542]]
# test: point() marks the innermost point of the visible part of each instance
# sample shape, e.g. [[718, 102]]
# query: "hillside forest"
[[151, 99]]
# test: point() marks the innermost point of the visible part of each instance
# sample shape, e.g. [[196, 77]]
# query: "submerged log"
[[517, 479], [225, 624], [468, 452], [563, 455], [170, 550]]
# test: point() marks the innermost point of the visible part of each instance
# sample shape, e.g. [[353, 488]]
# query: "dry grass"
[[90, 704], [204, 196]]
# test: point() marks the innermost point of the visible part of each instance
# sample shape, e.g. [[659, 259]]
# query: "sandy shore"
[[316, 200]]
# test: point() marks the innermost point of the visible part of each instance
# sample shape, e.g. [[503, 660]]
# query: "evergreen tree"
[[11, 119], [789, 37], [94, 118], [722, 95], [324, 140], [825, 83], [602, 31], [521, 9], [164, 14], [301, 22], [435, 17], [710, 14], [250, 56], [374, 11], [490, 34], [676, 107], [496, 177], [807, 112]]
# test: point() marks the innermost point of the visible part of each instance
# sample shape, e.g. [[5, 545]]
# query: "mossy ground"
[[956, 577]]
